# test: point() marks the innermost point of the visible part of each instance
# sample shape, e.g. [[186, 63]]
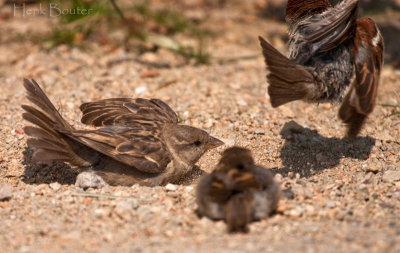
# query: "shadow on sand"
[[306, 152], [46, 174]]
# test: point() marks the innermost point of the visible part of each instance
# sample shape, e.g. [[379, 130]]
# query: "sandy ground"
[[338, 196]]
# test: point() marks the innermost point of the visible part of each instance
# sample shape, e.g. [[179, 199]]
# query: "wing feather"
[[368, 55], [325, 31], [145, 152], [127, 112]]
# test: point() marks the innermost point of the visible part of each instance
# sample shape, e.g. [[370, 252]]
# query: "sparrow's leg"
[[173, 173], [350, 115], [161, 179]]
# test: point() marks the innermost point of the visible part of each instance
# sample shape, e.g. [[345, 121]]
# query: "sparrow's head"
[[187, 144], [235, 158], [297, 10]]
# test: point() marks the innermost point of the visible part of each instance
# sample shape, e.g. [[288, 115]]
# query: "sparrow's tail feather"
[[288, 81], [238, 213], [37, 96], [48, 147], [49, 144]]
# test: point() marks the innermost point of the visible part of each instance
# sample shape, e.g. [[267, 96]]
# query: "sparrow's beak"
[[213, 143]]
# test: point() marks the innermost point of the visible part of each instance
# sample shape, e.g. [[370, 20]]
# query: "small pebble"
[[391, 176], [288, 193], [149, 74], [278, 177], [373, 167], [296, 212], [5, 192], [171, 187], [55, 186], [259, 131], [140, 90]]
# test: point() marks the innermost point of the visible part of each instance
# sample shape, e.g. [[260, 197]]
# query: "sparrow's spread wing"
[[368, 56], [143, 150], [139, 112], [325, 31]]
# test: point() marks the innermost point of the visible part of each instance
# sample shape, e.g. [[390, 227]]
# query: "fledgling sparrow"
[[327, 45], [237, 191], [139, 140]]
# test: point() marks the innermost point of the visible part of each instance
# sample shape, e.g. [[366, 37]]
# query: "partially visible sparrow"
[[237, 191], [326, 46], [139, 140]]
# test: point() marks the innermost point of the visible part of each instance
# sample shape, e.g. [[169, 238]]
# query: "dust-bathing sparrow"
[[139, 140]]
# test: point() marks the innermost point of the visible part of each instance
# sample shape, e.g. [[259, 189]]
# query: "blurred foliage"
[[138, 22], [171, 20], [96, 7], [61, 36], [74, 25]]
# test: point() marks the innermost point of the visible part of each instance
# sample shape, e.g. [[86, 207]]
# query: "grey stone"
[[87, 180]]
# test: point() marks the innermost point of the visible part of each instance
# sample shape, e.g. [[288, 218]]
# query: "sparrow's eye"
[[240, 166], [197, 143]]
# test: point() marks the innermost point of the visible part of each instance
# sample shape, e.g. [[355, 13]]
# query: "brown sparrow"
[[237, 191], [139, 140], [327, 45]]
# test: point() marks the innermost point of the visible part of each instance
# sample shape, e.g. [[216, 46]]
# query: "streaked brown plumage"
[[139, 141], [237, 191], [326, 45]]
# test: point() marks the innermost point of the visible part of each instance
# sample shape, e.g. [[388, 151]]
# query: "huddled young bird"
[[138, 140], [237, 191], [327, 47]]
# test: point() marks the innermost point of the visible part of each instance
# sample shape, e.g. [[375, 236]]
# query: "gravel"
[[338, 196]]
